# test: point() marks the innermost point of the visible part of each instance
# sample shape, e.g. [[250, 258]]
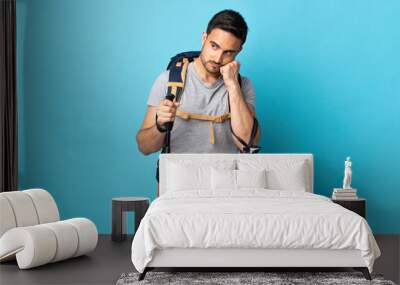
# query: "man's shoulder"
[[245, 79], [246, 82]]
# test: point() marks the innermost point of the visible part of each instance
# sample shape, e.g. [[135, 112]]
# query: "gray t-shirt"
[[193, 136]]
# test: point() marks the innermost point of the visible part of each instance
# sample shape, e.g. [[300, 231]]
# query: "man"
[[211, 80]]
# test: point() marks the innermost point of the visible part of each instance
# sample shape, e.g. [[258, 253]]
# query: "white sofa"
[[31, 231]]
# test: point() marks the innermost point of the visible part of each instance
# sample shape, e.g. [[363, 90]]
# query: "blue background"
[[326, 75]]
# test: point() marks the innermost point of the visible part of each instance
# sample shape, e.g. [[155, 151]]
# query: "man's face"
[[219, 48]]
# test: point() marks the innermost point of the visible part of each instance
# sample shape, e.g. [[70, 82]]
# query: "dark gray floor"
[[111, 259], [389, 262], [102, 266]]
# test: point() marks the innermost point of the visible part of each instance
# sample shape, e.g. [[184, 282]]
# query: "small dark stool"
[[120, 206]]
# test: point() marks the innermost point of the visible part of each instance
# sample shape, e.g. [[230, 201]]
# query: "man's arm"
[[149, 138], [242, 113]]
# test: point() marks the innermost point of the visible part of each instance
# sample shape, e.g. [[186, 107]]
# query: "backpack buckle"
[[254, 149], [251, 149]]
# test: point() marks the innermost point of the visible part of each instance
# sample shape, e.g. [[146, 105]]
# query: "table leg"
[[118, 222]]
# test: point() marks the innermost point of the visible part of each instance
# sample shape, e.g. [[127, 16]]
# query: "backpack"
[[177, 75]]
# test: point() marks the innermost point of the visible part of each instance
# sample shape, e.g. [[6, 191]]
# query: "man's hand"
[[166, 111], [230, 73]]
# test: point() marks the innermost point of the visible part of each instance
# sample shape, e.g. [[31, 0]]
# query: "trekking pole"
[[168, 126]]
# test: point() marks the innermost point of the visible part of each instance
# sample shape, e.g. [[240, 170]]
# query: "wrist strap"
[[159, 128]]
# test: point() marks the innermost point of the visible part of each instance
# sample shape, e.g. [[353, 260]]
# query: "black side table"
[[356, 205], [120, 206]]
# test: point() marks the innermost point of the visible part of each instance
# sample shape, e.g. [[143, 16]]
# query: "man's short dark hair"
[[229, 21]]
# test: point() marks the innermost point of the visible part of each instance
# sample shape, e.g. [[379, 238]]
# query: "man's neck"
[[203, 73]]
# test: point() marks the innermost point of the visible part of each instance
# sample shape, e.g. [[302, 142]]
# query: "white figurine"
[[347, 173]]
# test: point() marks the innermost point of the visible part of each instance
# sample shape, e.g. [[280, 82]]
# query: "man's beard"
[[206, 64]]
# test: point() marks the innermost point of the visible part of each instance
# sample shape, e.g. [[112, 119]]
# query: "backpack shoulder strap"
[[177, 73], [190, 55], [177, 76]]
